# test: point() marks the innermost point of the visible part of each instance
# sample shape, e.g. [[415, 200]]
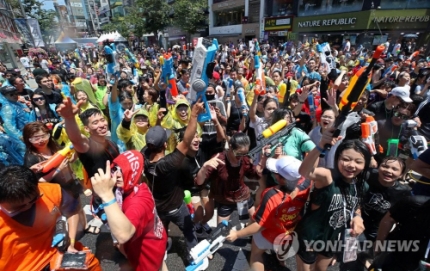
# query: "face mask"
[[210, 97]]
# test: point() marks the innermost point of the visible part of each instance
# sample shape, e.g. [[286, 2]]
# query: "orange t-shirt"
[[28, 248], [278, 213]]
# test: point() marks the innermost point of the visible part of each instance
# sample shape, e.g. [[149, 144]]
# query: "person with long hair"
[[41, 147], [42, 111], [327, 120], [336, 201]]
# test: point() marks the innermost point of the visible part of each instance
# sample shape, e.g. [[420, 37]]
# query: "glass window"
[[404, 4], [278, 7], [218, 1], [229, 17], [318, 7]]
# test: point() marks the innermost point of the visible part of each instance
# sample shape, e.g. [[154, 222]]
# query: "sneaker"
[[207, 228]]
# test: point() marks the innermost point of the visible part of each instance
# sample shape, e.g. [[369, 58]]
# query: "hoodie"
[[130, 135]]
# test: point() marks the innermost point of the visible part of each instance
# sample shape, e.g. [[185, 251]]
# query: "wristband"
[[321, 150], [104, 205], [72, 241]]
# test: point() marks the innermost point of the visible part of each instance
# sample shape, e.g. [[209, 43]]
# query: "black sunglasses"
[[400, 115]]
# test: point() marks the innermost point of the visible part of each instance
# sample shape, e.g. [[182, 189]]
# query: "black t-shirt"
[[386, 130], [413, 224], [164, 181], [378, 200], [423, 187], [188, 171], [53, 98], [92, 160], [380, 111]]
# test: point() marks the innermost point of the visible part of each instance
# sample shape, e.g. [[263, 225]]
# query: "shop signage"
[[328, 22], [402, 19], [280, 23]]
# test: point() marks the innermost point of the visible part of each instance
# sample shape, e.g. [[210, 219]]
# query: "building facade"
[[10, 39]]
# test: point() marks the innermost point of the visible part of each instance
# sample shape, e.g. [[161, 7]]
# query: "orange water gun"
[[56, 160]]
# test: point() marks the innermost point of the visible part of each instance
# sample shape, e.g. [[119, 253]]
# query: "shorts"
[[261, 242], [225, 210], [310, 257]]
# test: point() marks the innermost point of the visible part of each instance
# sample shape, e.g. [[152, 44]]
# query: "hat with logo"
[[287, 167], [403, 93]]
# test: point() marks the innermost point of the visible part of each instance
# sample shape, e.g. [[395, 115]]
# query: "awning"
[[9, 37]]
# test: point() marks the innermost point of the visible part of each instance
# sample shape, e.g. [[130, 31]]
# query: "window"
[[229, 17], [318, 7], [404, 4], [278, 7]]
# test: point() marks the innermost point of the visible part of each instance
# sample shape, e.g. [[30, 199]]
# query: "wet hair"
[[361, 148], [395, 159], [30, 129], [280, 114], [278, 72], [39, 78], [153, 94], [13, 79], [17, 183], [41, 93], [239, 140], [84, 116], [123, 83], [270, 100], [124, 95]]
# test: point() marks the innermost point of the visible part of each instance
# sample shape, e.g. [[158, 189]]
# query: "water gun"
[[312, 107], [204, 55], [414, 54], [260, 82], [418, 144], [199, 254], [168, 73], [130, 56], [368, 131], [187, 199], [241, 94], [56, 160], [357, 85], [112, 66], [61, 234], [271, 130], [228, 85], [393, 147], [275, 138], [78, 54]]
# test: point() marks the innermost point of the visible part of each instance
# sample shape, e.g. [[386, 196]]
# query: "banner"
[[21, 24], [33, 24]]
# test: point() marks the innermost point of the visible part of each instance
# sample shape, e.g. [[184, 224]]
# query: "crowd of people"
[[134, 148]]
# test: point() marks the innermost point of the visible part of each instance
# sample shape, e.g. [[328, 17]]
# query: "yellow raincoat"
[[133, 139], [173, 122], [85, 85], [153, 113]]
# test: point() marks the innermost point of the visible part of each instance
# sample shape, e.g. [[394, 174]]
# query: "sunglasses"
[[115, 169], [35, 139], [400, 115], [22, 207], [238, 154], [38, 99]]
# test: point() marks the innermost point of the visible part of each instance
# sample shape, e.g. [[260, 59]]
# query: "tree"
[[48, 23], [116, 24], [190, 15], [150, 16]]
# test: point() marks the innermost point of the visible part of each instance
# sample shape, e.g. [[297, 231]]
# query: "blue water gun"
[[112, 66], [312, 107], [204, 55], [131, 56], [199, 254]]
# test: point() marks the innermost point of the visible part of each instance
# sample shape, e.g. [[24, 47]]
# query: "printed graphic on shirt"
[[378, 203], [338, 219]]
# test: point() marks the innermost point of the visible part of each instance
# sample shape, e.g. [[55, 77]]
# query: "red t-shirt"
[[145, 250], [277, 218]]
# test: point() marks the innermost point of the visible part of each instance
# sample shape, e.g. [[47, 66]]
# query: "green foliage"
[[48, 22], [146, 16], [189, 15]]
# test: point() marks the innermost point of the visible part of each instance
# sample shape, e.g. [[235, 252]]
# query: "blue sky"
[[47, 4]]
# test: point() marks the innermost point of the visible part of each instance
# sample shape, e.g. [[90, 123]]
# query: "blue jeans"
[[181, 218], [12, 150]]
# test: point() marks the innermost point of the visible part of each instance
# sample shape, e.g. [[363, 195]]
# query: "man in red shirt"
[[279, 210], [131, 212]]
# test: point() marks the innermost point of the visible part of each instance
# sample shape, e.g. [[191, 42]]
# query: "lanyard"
[[345, 205]]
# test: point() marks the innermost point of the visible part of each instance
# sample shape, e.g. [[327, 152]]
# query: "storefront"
[[250, 31], [278, 29]]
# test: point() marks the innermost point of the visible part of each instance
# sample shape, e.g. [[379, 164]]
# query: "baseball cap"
[[156, 136], [403, 93], [287, 167], [7, 89]]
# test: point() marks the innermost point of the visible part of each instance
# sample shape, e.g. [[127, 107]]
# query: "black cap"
[[156, 136], [7, 89]]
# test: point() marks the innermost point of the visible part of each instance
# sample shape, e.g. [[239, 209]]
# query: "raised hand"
[[103, 182], [331, 97], [128, 114], [67, 109], [214, 162]]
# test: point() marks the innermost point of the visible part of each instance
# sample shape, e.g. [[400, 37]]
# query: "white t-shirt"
[[316, 136], [395, 49], [25, 61], [44, 65]]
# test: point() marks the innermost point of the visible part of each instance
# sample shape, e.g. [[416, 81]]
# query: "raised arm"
[[190, 132], [68, 111]]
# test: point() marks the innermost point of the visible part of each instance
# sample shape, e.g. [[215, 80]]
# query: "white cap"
[[287, 167], [403, 93]]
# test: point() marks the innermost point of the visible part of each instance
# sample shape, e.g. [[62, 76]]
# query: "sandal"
[[93, 227]]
